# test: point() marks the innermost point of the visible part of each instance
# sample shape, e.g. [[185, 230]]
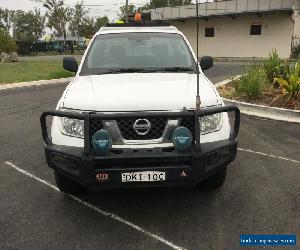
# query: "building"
[[238, 28]]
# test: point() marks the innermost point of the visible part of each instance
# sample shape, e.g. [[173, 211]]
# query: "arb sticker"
[[102, 177]]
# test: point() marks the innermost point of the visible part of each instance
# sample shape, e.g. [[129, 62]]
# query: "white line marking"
[[118, 218], [269, 155], [102, 212]]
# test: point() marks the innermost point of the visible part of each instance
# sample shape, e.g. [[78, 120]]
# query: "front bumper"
[[94, 171]]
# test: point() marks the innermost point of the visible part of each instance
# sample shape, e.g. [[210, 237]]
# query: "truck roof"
[[139, 28]]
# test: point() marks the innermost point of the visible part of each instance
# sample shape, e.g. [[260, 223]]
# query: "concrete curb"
[[278, 114], [35, 83], [222, 83], [251, 60]]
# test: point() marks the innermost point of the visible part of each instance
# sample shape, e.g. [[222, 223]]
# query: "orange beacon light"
[[138, 17]]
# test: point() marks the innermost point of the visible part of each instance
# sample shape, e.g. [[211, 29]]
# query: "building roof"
[[225, 8]]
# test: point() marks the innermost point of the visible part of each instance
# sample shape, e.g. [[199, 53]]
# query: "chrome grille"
[[156, 131], [189, 123], [95, 125]]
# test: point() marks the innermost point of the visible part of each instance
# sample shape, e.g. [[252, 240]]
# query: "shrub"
[[252, 83], [291, 85], [7, 43], [272, 67], [295, 52]]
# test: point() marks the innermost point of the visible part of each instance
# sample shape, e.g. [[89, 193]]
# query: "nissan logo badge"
[[142, 126]]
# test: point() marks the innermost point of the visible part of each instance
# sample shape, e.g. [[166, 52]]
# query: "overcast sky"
[[109, 7]]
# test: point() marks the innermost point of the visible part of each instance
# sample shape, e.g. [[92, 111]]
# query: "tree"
[[58, 17], [91, 25], [123, 12], [165, 3], [38, 24], [28, 26], [87, 27], [78, 20], [7, 43], [101, 22], [82, 25], [5, 19]]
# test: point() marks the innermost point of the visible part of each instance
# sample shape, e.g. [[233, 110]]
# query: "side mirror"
[[206, 62], [70, 64]]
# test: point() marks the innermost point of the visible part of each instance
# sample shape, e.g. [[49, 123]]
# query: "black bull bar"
[[88, 116], [91, 163]]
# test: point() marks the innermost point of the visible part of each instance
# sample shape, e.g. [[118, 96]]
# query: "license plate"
[[145, 176]]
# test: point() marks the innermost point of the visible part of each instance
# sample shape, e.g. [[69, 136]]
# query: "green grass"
[[26, 71]]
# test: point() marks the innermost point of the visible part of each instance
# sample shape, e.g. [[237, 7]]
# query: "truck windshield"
[[138, 52]]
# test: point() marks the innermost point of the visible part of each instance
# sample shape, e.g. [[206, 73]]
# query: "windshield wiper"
[[175, 69], [138, 70], [120, 71]]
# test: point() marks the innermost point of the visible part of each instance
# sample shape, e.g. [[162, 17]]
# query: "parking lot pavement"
[[261, 194], [35, 217], [222, 71]]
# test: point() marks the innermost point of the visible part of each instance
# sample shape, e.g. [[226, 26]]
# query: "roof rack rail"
[[136, 24], [144, 21]]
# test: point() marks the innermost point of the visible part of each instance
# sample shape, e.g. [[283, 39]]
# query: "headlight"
[[72, 127], [210, 123]]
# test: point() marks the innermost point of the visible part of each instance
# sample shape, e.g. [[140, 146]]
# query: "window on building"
[[255, 30], [209, 31]]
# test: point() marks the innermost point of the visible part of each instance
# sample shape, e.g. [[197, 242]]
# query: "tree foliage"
[[58, 17], [5, 19], [28, 26], [7, 43], [84, 26], [165, 3], [91, 25], [123, 11], [78, 19], [101, 21]]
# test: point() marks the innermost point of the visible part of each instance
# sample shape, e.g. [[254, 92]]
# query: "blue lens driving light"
[[102, 141], [182, 138]]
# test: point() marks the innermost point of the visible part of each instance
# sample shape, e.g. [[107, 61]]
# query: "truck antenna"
[[198, 100]]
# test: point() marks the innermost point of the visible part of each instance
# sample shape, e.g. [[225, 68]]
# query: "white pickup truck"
[[129, 117]]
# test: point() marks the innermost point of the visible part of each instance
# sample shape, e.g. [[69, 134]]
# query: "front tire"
[[215, 181], [66, 185]]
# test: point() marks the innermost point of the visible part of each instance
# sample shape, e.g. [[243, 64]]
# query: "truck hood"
[[138, 92]]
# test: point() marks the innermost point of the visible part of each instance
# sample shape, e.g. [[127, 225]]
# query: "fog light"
[[102, 141], [182, 138]]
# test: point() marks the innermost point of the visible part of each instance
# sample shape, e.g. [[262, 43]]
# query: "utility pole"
[[127, 11]]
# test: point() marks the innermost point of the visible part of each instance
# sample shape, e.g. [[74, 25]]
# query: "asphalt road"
[[261, 194]]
